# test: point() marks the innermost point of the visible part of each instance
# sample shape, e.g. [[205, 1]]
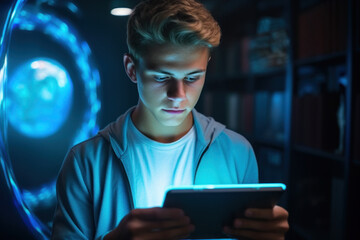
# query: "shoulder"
[[232, 137], [89, 154], [91, 146], [233, 145], [211, 129]]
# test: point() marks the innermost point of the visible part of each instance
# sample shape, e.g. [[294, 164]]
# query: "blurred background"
[[285, 76]]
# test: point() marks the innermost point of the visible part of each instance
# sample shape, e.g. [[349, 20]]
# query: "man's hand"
[[152, 223], [265, 224]]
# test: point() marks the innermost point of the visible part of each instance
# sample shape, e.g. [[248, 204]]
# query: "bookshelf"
[[332, 58], [300, 109]]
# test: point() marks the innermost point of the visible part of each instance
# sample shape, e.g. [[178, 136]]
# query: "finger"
[[276, 212], [248, 234], [141, 226], [174, 233], [157, 213], [280, 226]]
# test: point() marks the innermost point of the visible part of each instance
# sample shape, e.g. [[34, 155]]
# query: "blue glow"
[[28, 19], [72, 7], [229, 186], [69, 38], [40, 94], [40, 197], [2, 82]]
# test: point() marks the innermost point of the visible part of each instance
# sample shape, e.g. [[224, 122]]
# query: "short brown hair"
[[179, 22]]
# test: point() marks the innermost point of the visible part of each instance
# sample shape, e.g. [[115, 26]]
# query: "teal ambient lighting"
[[39, 97]]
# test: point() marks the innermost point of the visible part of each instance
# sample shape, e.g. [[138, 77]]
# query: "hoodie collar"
[[207, 129]]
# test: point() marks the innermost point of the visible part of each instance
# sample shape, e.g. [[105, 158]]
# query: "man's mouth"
[[174, 111]]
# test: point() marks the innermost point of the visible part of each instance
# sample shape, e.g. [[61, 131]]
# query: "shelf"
[[333, 58], [274, 72], [318, 153], [320, 175], [248, 82]]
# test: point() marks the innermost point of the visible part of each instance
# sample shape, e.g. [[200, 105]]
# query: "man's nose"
[[176, 91]]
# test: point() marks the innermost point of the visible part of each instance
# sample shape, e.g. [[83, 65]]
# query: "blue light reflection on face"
[[39, 97], [28, 19]]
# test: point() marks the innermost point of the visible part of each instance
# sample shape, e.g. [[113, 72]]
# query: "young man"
[[111, 186]]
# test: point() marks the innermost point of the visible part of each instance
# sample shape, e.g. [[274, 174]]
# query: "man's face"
[[170, 79]]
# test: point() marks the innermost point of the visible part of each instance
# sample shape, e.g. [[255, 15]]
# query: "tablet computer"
[[211, 207]]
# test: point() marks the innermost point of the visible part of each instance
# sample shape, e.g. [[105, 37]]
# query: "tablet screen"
[[211, 207]]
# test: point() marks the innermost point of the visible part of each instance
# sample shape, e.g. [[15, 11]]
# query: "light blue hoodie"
[[93, 190]]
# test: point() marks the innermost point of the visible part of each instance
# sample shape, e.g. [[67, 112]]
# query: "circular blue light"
[[39, 97], [28, 18]]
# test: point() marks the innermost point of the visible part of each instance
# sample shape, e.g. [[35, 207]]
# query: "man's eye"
[[161, 78], [192, 79]]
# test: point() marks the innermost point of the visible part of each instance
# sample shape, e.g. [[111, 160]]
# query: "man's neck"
[[151, 128]]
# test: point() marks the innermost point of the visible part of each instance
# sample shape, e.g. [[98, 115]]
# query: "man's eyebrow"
[[197, 71], [169, 73]]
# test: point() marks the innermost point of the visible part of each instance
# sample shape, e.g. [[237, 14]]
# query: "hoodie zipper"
[[201, 156], [128, 186]]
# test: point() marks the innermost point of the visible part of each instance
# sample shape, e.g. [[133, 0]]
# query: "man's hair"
[[178, 22]]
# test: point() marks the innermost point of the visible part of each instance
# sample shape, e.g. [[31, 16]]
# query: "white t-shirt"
[[155, 166]]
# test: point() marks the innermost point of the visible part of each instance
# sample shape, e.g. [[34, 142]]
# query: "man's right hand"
[[152, 223]]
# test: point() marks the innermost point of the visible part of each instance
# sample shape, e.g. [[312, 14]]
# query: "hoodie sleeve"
[[73, 216], [251, 173], [239, 152], [242, 154]]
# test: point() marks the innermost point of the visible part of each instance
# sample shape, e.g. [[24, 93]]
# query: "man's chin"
[[175, 120], [172, 123]]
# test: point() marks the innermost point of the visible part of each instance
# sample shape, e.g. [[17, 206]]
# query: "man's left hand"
[[265, 224]]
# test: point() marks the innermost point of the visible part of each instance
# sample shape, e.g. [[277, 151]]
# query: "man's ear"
[[129, 65]]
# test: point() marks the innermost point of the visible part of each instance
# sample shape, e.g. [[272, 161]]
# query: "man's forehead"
[[174, 56]]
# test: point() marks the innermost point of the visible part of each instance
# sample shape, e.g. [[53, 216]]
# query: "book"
[[277, 116], [262, 108], [322, 29], [244, 54], [269, 115]]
